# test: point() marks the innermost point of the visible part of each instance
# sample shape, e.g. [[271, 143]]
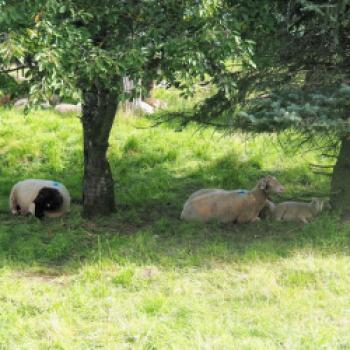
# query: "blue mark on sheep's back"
[[56, 184], [241, 191]]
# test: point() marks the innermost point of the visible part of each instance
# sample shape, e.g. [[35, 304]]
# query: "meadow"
[[143, 279]]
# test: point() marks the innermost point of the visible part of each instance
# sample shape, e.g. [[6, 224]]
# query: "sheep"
[[39, 198], [155, 103], [5, 100], [239, 206], [67, 107], [22, 102], [143, 107], [297, 211]]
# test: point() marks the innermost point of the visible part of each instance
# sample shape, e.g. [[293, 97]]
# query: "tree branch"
[[9, 70], [321, 166]]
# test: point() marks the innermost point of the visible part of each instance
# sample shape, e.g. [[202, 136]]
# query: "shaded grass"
[[142, 279]]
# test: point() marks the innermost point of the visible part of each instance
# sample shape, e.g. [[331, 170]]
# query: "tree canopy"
[[67, 44], [301, 73]]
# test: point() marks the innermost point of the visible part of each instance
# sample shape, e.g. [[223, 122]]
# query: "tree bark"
[[340, 184], [99, 109], [148, 86]]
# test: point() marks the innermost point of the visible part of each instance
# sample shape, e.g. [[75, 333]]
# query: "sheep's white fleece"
[[24, 192]]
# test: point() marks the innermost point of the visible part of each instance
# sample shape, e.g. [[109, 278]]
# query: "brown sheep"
[[239, 206]]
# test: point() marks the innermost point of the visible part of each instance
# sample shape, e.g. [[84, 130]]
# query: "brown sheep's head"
[[270, 184]]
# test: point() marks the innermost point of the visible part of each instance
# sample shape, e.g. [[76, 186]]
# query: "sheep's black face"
[[48, 199]]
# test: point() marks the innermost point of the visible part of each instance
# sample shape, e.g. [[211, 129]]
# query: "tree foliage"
[[67, 44], [301, 75]]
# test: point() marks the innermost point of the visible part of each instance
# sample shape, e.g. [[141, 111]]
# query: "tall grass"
[[142, 279]]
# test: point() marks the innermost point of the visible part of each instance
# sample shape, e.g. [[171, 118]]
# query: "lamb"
[[40, 198], [239, 206], [297, 211]]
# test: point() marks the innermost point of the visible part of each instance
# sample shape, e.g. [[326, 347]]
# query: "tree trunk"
[[99, 109], [340, 185], [148, 86]]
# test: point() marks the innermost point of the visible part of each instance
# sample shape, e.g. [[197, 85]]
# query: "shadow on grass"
[[146, 228]]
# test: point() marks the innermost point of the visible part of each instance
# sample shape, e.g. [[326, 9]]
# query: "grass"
[[142, 279]]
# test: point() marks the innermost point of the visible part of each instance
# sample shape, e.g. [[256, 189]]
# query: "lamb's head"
[[317, 204], [269, 184]]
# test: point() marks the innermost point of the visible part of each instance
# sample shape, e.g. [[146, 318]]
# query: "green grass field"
[[142, 279]]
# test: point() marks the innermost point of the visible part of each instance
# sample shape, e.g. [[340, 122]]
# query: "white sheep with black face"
[[40, 198]]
